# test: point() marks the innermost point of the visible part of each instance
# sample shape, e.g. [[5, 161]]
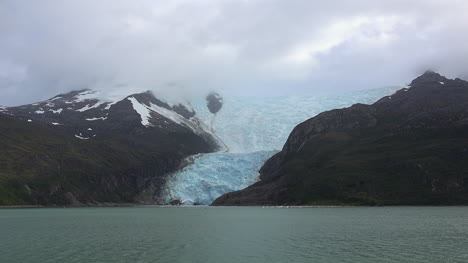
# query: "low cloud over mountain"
[[252, 47]]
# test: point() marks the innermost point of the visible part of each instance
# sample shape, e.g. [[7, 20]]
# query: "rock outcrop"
[[214, 102]]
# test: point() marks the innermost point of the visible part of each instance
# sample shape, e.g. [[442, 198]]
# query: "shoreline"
[[111, 205]]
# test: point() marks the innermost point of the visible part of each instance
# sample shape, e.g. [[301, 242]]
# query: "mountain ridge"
[[409, 148], [76, 149]]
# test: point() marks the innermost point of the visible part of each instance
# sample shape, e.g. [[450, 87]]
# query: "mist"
[[238, 47]]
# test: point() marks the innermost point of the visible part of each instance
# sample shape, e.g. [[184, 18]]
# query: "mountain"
[[252, 129], [410, 148], [82, 148]]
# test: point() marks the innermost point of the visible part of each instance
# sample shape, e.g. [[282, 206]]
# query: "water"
[[251, 234], [253, 129]]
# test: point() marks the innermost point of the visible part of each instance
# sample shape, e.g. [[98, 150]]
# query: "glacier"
[[252, 130]]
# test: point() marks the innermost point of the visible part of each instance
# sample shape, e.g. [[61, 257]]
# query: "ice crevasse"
[[252, 130]]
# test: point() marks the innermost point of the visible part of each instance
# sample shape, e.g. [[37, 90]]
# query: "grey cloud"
[[256, 47]]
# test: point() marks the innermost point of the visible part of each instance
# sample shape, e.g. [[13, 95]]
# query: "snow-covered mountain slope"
[[87, 154], [84, 146], [85, 114], [252, 129]]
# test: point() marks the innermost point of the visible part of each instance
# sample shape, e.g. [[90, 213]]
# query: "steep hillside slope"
[[406, 149], [78, 149]]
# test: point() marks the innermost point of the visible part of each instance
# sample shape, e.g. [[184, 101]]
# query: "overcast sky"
[[248, 47]]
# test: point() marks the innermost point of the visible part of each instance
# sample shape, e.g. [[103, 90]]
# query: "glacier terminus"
[[251, 129]]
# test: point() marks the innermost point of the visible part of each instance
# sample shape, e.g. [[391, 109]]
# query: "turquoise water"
[[212, 234]]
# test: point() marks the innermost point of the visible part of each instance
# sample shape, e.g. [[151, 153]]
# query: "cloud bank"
[[247, 47]]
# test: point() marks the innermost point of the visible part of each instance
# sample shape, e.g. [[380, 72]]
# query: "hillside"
[[410, 148], [75, 149]]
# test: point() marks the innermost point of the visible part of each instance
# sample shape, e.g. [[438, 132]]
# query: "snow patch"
[[89, 129], [110, 105], [142, 110], [29, 120], [86, 95], [443, 83], [93, 106], [55, 98], [56, 123], [56, 111], [111, 97], [81, 137], [173, 116], [39, 112], [96, 118]]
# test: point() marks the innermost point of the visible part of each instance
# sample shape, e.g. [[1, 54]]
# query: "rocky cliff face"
[[406, 149], [79, 148]]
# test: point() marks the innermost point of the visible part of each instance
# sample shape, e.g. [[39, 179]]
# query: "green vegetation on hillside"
[[41, 166]]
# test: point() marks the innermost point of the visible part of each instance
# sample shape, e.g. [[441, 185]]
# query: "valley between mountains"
[[390, 146]]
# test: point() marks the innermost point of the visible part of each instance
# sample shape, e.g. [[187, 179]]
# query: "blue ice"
[[252, 129]]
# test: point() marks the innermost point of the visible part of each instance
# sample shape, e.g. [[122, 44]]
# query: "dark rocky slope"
[[410, 148], [77, 150]]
